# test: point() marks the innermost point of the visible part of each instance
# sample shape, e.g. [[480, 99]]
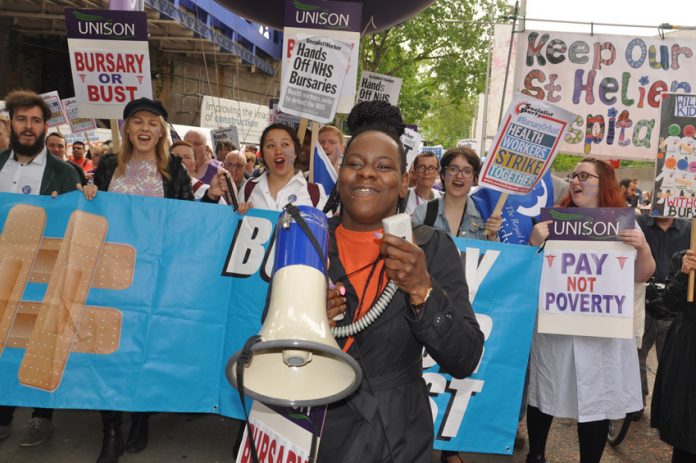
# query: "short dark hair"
[[78, 142], [18, 99], [288, 129], [626, 182], [424, 154], [467, 153], [225, 144]]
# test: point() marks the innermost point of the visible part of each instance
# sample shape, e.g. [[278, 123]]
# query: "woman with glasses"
[[589, 379], [456, 212], [425, 167]]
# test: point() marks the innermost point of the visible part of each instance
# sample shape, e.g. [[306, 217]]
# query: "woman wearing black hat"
[[143, 167]]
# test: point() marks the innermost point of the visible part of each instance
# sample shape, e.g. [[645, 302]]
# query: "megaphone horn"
[[297, 362]]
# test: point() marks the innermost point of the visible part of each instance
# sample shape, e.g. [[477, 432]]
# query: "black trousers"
[[7, 412], [592, 435], [111, 418]]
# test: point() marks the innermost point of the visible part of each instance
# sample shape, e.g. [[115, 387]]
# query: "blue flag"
[[324, 172], [520, 212]]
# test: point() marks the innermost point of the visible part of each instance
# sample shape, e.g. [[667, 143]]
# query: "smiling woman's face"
[[279, 153], [458, 184], [144, 131], [370, 181], [585, 194]]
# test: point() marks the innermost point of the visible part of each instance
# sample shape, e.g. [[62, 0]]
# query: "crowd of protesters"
[[565, 378]]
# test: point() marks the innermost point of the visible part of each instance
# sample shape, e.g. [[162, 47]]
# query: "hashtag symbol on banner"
[[60, 324]]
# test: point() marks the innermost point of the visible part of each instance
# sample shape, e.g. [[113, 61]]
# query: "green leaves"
[[441, 56]]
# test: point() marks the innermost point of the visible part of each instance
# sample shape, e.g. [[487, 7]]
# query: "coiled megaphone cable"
[[369, 318]]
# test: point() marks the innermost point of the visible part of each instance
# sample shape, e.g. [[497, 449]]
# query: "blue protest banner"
[[480, 413], [179, 287], [188, 306]]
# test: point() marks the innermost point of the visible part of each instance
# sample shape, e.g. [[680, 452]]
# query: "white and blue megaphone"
[[297, 362]]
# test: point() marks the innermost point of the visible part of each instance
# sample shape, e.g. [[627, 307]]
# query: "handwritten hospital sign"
[[109, 59], [524, 146], [613, 83], [675, 182]]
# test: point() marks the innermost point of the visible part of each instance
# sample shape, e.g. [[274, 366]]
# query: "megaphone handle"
[[243, 361]]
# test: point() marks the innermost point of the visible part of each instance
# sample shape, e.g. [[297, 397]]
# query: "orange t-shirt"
[[358, 252]]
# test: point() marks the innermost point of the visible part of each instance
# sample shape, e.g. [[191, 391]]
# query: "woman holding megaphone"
[[388, 418]]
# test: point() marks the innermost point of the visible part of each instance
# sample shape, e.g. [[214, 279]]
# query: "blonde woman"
[[143, 166]]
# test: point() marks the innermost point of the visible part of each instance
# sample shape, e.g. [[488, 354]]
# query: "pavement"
[[201, 438]]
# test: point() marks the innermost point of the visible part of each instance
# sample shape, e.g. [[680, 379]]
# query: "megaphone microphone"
[[295, 360]]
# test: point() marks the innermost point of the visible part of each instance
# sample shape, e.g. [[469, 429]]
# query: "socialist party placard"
[[109, 60], [312, 87], [380, 87], [525, 145]]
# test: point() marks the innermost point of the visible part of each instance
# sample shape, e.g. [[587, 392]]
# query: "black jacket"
[[390, 351], [58, 176], [178, 187], [674, 394]]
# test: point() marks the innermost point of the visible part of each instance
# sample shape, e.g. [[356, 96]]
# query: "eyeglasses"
[[251, 160], [581, 176], [428, 169], [464, 171], [234, 166]]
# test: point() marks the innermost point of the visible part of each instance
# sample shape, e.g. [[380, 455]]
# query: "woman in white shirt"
[[589, 379], [280, 184]]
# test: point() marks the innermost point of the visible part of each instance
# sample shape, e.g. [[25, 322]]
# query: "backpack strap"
[[248, 188], [313, 191], [431, 212]]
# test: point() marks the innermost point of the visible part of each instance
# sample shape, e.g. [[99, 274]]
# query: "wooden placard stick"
[[690, 290], [315, 138], [301, 130], [115, 138], [499, 206]]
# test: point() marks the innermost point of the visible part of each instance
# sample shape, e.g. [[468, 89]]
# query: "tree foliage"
[[441, 56]]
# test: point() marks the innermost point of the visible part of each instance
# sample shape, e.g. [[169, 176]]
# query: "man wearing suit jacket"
[[27, 168]]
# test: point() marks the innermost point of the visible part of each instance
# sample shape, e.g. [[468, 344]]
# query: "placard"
[[109, 59], [525, 145], [250, 119], [281, 434], [77, 124], [379, 87], [587, 289], [337, 20], [674, 193], [228, 134], [588, 223], [58, 116], [312, 85], [612, 82], [413, 143]]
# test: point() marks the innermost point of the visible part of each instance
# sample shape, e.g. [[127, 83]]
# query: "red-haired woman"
[[590, 379]]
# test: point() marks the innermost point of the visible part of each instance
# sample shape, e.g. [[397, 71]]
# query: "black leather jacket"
[[178, 187]]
